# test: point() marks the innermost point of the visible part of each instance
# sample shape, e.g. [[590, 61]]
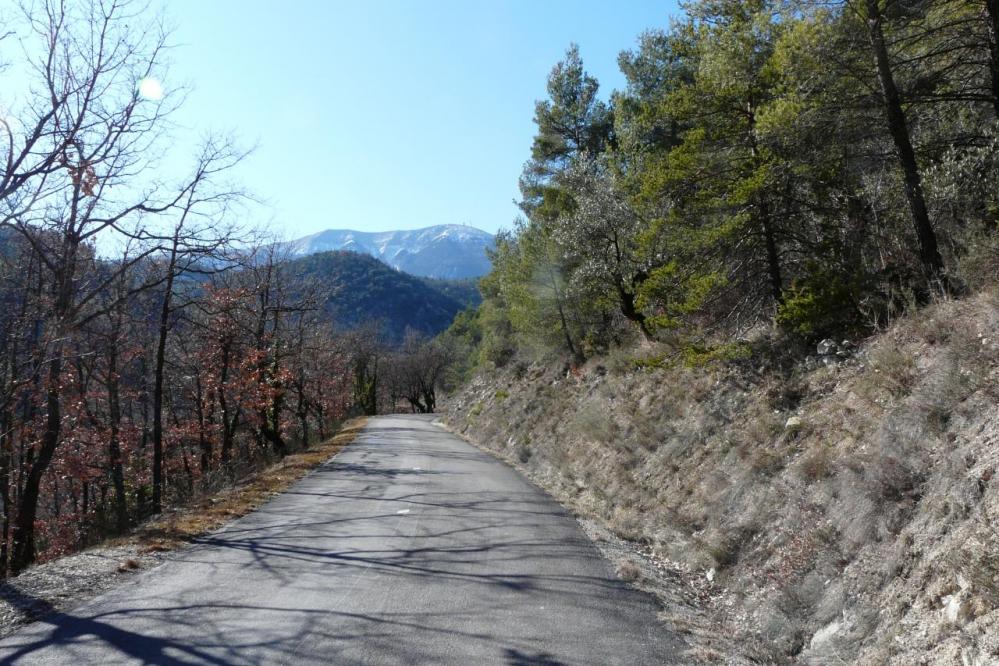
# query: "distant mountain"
[[364, 289], [447, 251]]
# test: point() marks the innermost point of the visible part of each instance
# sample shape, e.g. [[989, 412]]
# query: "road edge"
[[68, 582]]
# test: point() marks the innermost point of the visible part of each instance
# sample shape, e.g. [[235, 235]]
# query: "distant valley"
[[446, 251]]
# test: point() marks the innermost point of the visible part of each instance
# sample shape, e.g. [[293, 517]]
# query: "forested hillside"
[[814, 166], [359, 289], [153, 346], [747, 323]]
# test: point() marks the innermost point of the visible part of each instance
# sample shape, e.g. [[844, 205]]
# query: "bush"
[[697, 355], [820, 305]]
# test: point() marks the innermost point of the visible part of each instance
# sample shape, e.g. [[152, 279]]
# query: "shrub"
[[892, 372], [817, 464], [819, 305], [697, 355]]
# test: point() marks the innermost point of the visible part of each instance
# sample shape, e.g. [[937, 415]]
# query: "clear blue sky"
[[385, 114]]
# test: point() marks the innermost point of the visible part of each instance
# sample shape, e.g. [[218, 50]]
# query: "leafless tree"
[[81, 166], [417, 370]]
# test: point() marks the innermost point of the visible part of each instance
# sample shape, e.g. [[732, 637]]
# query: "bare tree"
[[197, 246], [417, 370], [83, 169]]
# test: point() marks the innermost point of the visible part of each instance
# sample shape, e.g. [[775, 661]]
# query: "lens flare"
[[151, 89]]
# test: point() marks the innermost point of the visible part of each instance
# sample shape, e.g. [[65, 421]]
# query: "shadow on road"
[[370, 559]]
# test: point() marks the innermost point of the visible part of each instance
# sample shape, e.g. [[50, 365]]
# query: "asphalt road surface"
[[409, 547]]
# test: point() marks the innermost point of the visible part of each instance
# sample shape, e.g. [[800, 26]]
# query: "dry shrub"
[[620, 361], [892, 373], [816, 464], [759, 427], [726, 545], [978, 268], [765, 461], [785, 394], [855, 519], [977, 563], [627, 526], [780, 636], [756, 440], [628, 571], [891, 478], [128, 565], [595, 423], [800, 599]]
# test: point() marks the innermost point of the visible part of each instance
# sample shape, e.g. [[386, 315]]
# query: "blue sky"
[[386, 114]]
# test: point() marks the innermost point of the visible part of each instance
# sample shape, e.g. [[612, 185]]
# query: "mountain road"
[[409, 547]]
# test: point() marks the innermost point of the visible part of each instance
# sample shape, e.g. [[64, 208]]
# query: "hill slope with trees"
[[747, 321], [360, 289]]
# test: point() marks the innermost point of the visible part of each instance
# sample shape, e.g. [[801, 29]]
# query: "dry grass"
[[128, 565], [629, 571], [859, 505], [185, 524]]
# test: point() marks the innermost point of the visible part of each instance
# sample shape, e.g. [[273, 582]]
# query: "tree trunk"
[[23, 547], [227, 432], [430, 400], [929, 253], [6, 453], [764, 215], [164, 329], [630, 311], [577, 355], [302, 412], [773, 257], [992, 23], [114, 448]]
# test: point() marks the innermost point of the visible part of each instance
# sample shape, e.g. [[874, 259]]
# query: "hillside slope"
[[363, 289], [445, 251], [844, 511]]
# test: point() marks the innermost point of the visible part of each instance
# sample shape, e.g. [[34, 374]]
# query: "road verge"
[[69, 581]]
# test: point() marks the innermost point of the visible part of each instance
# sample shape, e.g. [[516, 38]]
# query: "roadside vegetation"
[[154, 349], [842, 511], [817, 168], [748, 321], [184, 524]]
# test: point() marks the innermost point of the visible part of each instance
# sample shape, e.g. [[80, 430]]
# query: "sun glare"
[[151, 89]]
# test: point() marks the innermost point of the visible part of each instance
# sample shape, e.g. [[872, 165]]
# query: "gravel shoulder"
[[67, 582], [61, 584]]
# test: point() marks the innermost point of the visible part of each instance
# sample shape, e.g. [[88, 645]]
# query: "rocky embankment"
[[845, 510]]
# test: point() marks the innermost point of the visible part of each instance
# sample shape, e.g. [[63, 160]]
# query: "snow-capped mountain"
[[444, 251]]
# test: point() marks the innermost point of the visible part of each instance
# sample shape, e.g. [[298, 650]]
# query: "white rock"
[[825, 634], [827, 346], [957, 610], [710, 575], [794, 423]]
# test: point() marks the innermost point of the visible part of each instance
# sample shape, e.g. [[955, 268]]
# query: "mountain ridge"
[[444, 251]]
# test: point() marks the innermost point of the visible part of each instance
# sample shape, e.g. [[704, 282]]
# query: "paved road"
[[410, 547]]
